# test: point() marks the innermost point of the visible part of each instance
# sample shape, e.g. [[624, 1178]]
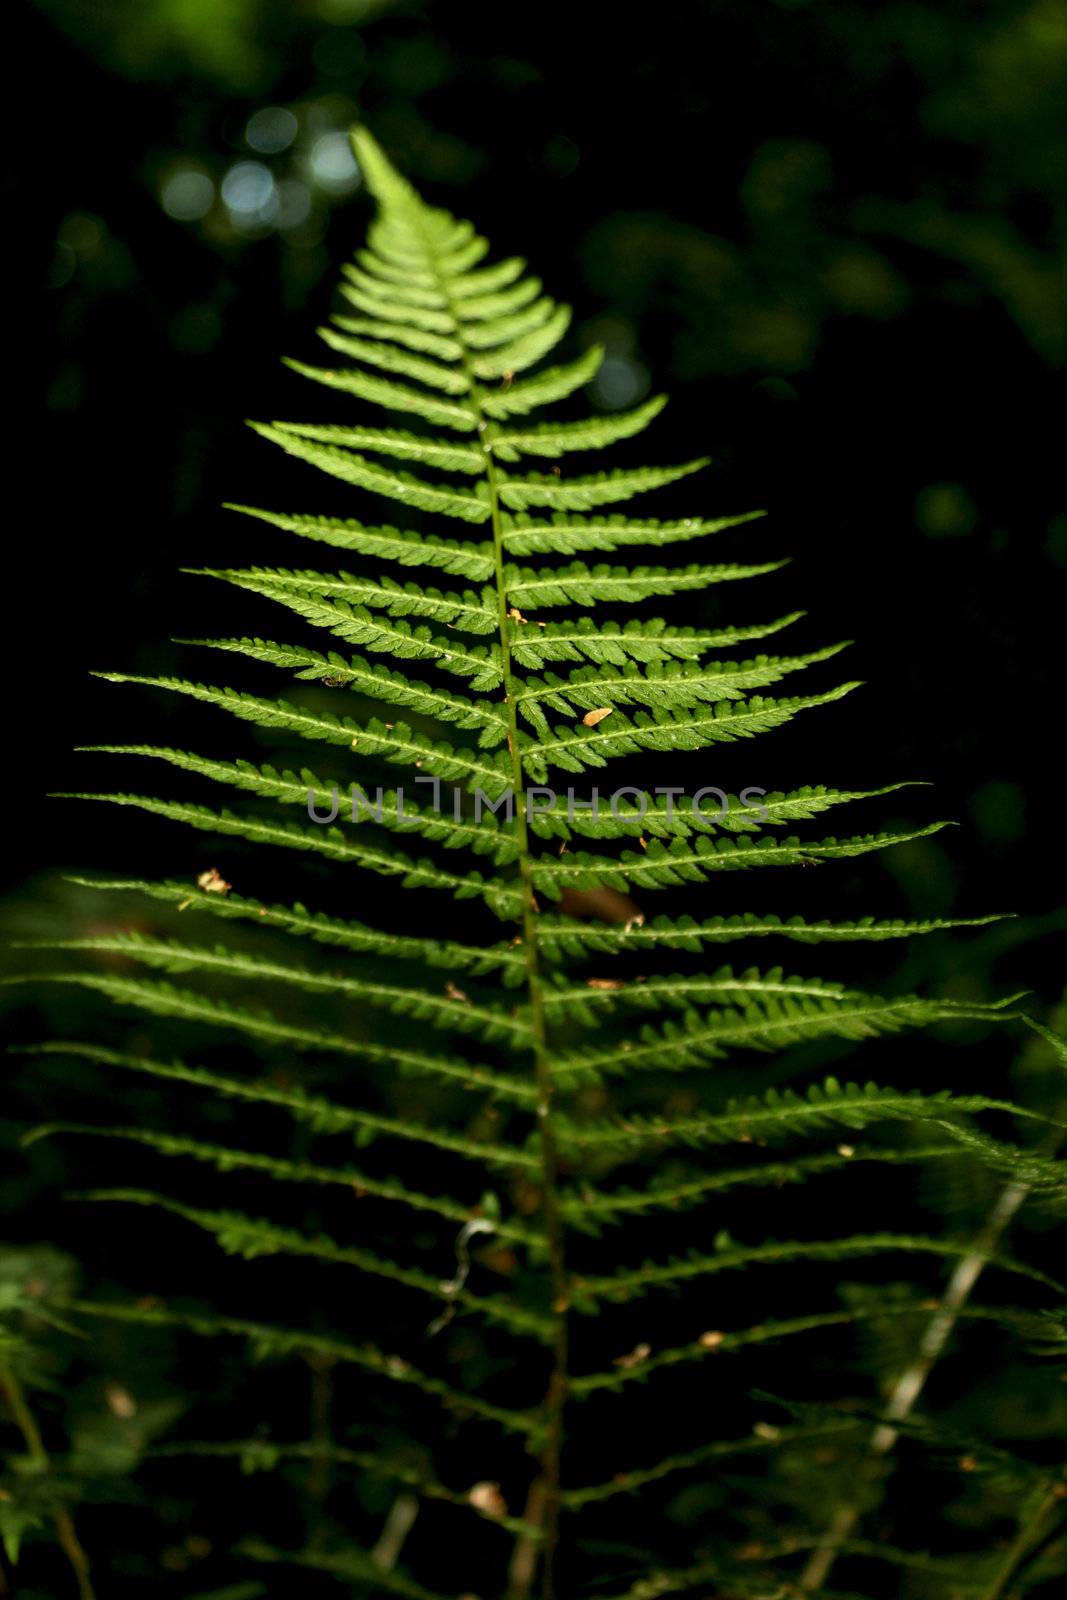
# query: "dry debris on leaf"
[[212, 882], [639, 1353]]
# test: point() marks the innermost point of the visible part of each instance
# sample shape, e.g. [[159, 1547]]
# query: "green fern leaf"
[[391, 544], [280, 1343], [364, 474], [579, 1113], [302, 923], [354, 623], [567, 536], [560, 438], [584, 640], [393, 396], [555, 383], [249, 1237], [582, 494]]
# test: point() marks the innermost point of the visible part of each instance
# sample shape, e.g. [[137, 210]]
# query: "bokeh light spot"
[[945, 511], [271, 129], [620, 382], [63, 267], [187, 195], [250, 194], [333, 166]]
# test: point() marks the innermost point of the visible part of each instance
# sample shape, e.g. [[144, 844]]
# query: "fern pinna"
[[575, 1067]]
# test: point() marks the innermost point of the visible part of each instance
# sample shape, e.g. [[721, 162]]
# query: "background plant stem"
[[27, 1426], [909, 1386]]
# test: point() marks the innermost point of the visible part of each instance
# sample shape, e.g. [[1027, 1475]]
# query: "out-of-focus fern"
[[592, 1100]]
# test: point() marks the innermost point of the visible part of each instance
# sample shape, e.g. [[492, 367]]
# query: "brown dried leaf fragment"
[[639, 1353], [486, 1498]]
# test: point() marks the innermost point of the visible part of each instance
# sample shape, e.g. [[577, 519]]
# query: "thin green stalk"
[[35, 1448], [1032, 1537], [909, 1386]]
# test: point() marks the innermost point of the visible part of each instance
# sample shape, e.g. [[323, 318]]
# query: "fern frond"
[[621, 735], [587, 1002], [503, 316], [501, 897], [366, 678], [567, 536], [596, 489], [449, 455], [393, 396], [226, 1159], [264, 1455], [554, 383], [632, 1479], [387, 358], [697, 1351], [469, 611], [393, 742], [279, 1343], [626, 1285], [570, 938], [584, 640], [674, 684], [390, 482], [404, 297], [166, 1000], [560, 438], [683, 861], [582, 585], [406, 334], [684, 933], [486, 280], [595, 1206], [175, 956], [773, 1024], [322, 1115], [544, 326], [249, 1237], [646, 817], [407, 549], [388, 808], [348, 935], [358, 625], [822, 1107]]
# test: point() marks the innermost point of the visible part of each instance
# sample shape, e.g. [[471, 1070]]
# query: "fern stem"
[[27, 1426], [909, 1386], [319, 1473], [551, 1210], [550, 1204]]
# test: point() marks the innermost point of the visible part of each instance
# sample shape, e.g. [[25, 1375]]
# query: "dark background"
[[836, 233]]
